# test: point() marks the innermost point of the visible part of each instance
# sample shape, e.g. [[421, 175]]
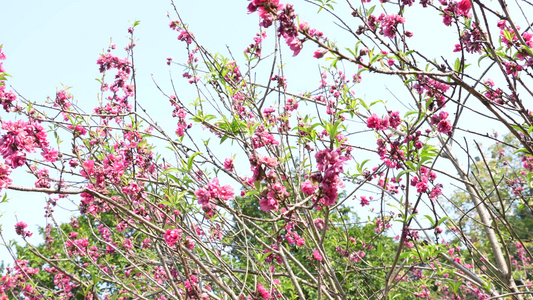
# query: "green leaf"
[[442, 220], [481, 58], [520, 150], [360, 166], [170, 170], [371, 10], [430, 219], [191, 160], [223, 139], [403, 173], [509, 36], [380, 250], [457, 65], [411, 165]]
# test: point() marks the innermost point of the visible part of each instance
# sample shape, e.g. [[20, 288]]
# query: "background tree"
[[501, 175]]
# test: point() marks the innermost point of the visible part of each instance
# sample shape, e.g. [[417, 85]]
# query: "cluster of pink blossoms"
[[19, 229], [255, 48], [262, 138], [5, 171], [292, 237], [43, 176], [233, 74], [421, 183], [389, 24], [77, 247], [392, 156], [181, 114], [259, 165], [271, 10], [330, 163], [511, 67], [275, 193], [263, 292], [184, 35], [211, 193], [21, 138], [431, 88], [528, 38], [172, 236], [472, 39], [454, 9], [6, 98], [495, 95], [392, 120], [65, 284], [16, 281], [119, 103], [527, 163], [441, 121], [62, 100]]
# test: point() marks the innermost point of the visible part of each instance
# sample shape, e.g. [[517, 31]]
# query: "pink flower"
[[77, 130], [50, 154], [268, 203], [463, 8], [20, 226], [184, 36], [379, 124], [319, 223], [444, 127], [189, 243], [19, 229], [174, 24], [146, 243], [394, 119], [5, 181], [268, 161], [294, 44], [16, 159], [389, 24], [226, 192], [422, 184], [228, 164], [319, 53], [261, 290], [127, 244], [317, 256], [88, 168], [172, 236], [357, 256], [309, 188], [203, 196]]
